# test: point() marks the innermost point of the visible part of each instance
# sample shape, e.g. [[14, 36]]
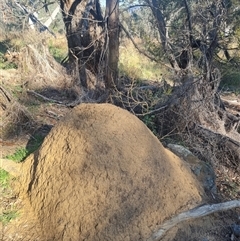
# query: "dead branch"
[[152, 111], [35, 94], [233, 104], [220, 148], [81, 99], [193, 214], [5, 93], [217, 136]]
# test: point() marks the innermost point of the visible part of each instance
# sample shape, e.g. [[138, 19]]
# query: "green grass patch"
[[17, 90], [8, 211], [4, 179], [20, 154], [58, 48], [57, 53], [5, 64], [7, 216], [150, 122]]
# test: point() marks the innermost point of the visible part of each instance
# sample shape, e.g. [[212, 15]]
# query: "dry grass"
[[15, 118], [137, 66], [37, 69], [36, 65], [58, 47]]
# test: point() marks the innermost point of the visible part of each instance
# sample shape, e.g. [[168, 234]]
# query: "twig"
[[6, 94], [152, 111], [147, 87], [192, 214], [31, 92]]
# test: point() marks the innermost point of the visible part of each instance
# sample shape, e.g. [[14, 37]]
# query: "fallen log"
[[193, 214], [220, 140], [231, 104]]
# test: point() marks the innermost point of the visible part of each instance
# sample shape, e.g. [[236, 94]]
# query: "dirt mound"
[[102, 175]]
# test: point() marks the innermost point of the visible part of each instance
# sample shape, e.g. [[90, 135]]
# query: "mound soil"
[[102, 175]]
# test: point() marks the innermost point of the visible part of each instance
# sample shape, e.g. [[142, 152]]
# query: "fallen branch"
[[207, 133], [5, 93], [192, 214], [152, 111], [35, 94], [232, 104], [80, 100]]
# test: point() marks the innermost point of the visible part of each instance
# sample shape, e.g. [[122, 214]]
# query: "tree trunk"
[[83, 22], [112, 13], [161, 26], [93, 42]]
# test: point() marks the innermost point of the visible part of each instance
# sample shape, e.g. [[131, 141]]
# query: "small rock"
[[203, 171], [179, 150]]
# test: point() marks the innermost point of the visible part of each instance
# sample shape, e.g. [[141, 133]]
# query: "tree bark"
[[112, 15], [83, 23], [93, 42], [161, 25]]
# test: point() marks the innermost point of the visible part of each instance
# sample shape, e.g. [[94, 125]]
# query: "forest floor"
[[215, 227]]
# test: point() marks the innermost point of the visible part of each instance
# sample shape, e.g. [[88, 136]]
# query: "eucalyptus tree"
[[92, 39]]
